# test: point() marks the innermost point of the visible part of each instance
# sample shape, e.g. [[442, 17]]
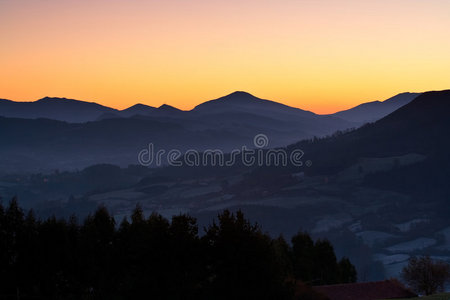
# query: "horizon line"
[[193, 107]]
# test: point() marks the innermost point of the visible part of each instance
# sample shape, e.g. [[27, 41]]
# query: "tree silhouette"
[[242, 263], [425, 275], [155, 258], [315, 262], [303, 257]]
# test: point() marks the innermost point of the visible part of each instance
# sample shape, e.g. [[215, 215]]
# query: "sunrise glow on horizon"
[[322, 56]]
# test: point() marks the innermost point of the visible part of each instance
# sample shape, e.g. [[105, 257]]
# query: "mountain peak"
[[137, 109], [139, 106], [239, 96], [240, 93], [167, 107], [49, 99]]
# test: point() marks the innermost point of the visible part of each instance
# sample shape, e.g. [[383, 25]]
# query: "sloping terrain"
[[375, 110], [380, 193]]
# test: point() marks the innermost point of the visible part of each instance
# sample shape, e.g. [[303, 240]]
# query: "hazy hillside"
[[44, 144], [420, 127], [231, 124], [380, 192], [373, 111]]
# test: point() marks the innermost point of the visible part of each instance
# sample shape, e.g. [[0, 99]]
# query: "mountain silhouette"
[[372, 111], [166, 110], [54, 108], [226, 123], [76, 111], [137, 109], [418, 126], [245, 102], [421, 127], [361, 182]]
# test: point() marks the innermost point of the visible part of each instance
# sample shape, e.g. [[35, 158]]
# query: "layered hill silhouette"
[[405, 152], [421, 126], [38, 138], [419, 129], [362, 185], [77, 111], [117, 136], [373, 111], [369, 182], [141, 110]]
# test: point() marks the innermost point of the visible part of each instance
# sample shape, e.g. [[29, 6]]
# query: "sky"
[[319, 55]]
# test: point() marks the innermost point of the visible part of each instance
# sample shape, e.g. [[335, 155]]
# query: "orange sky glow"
[[319, 55]]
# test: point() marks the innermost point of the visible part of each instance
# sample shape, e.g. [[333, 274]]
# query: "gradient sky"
[[320, 55]]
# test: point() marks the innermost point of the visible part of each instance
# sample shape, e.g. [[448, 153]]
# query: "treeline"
[[154, 258]]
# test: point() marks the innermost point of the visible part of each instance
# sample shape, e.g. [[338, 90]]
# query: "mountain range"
[[378, 192], [76, 111], [60, 133]]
